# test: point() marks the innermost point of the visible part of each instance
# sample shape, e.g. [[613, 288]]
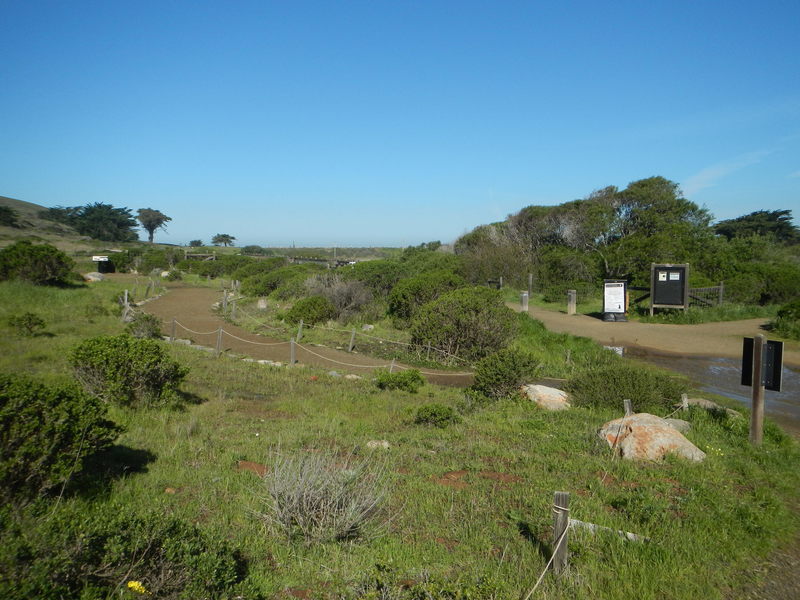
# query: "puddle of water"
[[723, 375]]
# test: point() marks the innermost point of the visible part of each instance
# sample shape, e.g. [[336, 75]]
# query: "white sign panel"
[[614, 301], [99, 258]]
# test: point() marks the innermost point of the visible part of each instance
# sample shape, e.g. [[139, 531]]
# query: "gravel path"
[[191, 307], [722, 339]]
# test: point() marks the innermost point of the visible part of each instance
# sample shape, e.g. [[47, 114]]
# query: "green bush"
[[9, 217], [258, 267], [41, 264], [27, 324], [378, 275], [46, 432], [174, 275], [787, 323], [144, 325], [437, 415], [314, 309], [409, 380], [501, 374], [108, 551], [469, 322], [126, 371], [411, 293], [264, 284], [649, 390]]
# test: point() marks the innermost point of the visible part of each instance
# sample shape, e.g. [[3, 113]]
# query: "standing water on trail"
[[723, 376]]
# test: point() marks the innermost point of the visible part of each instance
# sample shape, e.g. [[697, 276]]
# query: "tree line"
[[617, 233]]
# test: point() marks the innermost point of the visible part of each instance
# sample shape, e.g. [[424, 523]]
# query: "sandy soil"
[[706, 339], [191, 308]]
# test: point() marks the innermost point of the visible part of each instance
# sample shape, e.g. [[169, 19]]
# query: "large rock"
[[547, 397], [648, 437], [94, 276]]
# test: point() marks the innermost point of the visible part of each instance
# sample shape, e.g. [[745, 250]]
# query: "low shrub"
[[41, 264], [144, 325], [501, 374], [378, 275], [318, 497], [263, 284], [314, 309], [468, 322], [412, 292], [408, 380], [46, 432], [348, 296], [127, 371], [259, 267], [437, 415], [649, 390], [107, 551], [787, 322], [27, 324], [174, 275]]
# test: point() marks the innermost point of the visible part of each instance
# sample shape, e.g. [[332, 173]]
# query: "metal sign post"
[[762, 366]]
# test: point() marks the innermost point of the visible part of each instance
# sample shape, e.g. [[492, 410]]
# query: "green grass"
[[695, 315], [708, 522]]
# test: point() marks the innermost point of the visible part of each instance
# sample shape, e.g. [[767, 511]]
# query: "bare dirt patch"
[[453, 479]]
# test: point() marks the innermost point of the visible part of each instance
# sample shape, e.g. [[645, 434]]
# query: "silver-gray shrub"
[[348, 296], [319, 497]]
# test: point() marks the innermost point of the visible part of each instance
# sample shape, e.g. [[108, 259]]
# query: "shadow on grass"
[[542, 547], [102, 469]]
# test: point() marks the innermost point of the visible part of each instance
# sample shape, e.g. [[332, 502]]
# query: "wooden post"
[[757, 414], [572, 302], [501, 282], [628, 407], [429, 351], [224, 302], [352, 340], [684, 402], [219, 341], [524, 301], [391, 367], [560, 527], [292, 353], [233, 309], [172, 334], [126, 298], [300, 331], [530, 284], [721, 293]]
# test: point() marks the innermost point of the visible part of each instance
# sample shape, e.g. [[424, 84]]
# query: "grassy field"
[[469, 506]]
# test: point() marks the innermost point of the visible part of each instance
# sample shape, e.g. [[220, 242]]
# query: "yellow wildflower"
[[137, 586]]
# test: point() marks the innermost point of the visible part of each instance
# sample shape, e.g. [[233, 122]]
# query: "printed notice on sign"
[[614, 298], [662, 275], [674, 275]]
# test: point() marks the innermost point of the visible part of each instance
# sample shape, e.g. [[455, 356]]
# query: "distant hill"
[[34, 228]]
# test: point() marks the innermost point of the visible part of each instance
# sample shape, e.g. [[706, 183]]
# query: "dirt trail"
[[191, 308], [706, 339]]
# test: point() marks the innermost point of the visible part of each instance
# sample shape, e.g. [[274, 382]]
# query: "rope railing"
[[196, 332], [236, 337], [338, 362]]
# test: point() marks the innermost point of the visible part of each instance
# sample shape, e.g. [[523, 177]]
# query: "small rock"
[[367, 327], [352, 377], [183, 342], [648, 437], [252, 360], [333, 374], [679, 424], [547, 397], [262, 304], [165, 273], [170, 490], [94, 276], [378, 444], [712, 406]]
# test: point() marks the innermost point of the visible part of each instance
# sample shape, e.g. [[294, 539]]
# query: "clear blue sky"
[[393, 123]]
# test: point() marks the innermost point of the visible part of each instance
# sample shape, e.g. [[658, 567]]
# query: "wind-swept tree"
[[223, 239], [777, 223], [195, 243], [152, 220]]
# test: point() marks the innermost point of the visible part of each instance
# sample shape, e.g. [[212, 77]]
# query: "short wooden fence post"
[[572, 302], [501, 282], [524, 301], [233, 309], [292, 352], [530, 284], [560, 528], [172, 333], [391, 367], [352, 343], [219, 341], [224, 302], [300, 331], [684, 402]]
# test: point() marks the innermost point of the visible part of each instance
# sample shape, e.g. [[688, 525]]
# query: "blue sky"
[[393, 123]]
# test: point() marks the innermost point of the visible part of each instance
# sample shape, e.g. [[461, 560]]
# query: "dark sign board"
[[771, 364], [669, 286]]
